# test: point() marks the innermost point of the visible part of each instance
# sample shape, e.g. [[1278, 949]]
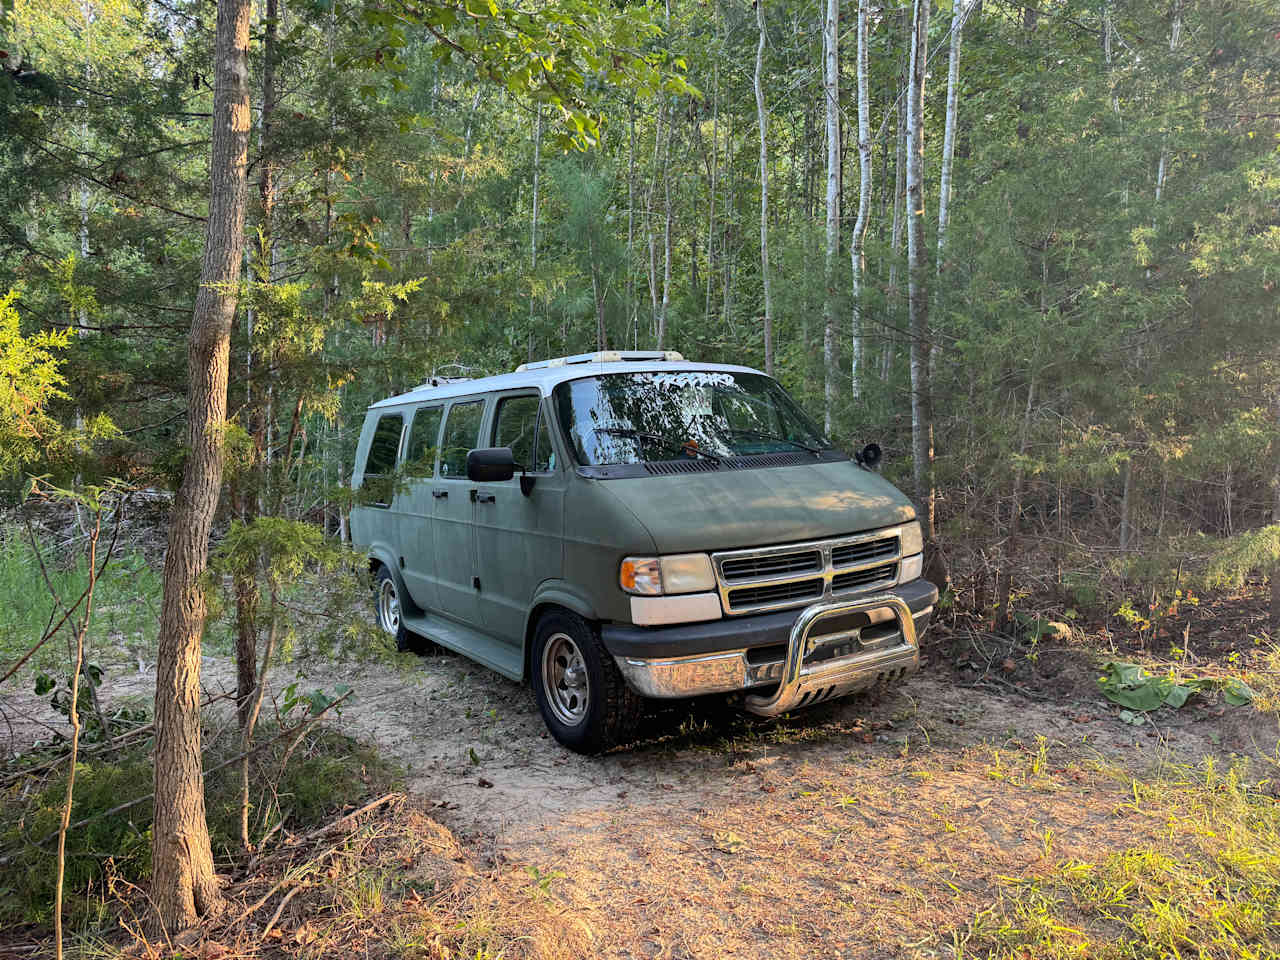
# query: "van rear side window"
[[420, 457], [380, 463], [461, 431]]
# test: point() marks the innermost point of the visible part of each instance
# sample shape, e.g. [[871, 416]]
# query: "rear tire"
[[585, 703], [389, 609]]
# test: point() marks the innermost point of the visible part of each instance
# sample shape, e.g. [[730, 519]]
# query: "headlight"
[[911, 568], [912, 539], [678, 573]]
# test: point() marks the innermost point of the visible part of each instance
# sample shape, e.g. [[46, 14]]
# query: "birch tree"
[[958, 17], [917, 267], [761, 120], [831, 99], [857, 256], [184, 886]]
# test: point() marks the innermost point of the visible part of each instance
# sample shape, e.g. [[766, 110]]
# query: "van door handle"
[[440, 494], [483, 497]]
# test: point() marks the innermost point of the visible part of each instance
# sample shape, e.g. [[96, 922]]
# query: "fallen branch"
[[333, 825]]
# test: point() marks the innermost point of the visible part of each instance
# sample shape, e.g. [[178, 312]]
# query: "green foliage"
[[317, 585], [1254, 552], [118, 845], [30, 379], [326, 771], [1132, 687], [126, 603]]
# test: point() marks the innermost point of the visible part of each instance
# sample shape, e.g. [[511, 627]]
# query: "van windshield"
[[637, 417]]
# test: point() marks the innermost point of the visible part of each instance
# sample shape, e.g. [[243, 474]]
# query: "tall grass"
[[126, 603], [1209, 889]]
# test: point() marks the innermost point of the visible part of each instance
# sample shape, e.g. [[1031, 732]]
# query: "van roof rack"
[[603, 356], [441, 382]]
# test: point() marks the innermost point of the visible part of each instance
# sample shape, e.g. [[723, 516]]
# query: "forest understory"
[[997, 804]]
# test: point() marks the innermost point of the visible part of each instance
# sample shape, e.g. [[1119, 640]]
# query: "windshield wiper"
[[760, 434], [657, 438]]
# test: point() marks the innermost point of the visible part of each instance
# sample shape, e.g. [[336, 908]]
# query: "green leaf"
[[44, 683], [1236, 692]]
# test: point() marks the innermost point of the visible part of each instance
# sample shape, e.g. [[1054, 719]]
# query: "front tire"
[[389, 609], [585, 703]]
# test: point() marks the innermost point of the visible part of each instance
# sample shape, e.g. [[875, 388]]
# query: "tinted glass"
[[420, 457], [385, 445], [544, 457], [517, 426], [634, 417], [461, 433]]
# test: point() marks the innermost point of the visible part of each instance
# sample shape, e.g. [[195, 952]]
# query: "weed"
[[1211, 888]]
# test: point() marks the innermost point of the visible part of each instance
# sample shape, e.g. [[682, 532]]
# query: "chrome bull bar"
[[804, 682]]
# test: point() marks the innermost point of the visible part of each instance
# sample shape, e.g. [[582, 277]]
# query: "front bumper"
[[815, 653]]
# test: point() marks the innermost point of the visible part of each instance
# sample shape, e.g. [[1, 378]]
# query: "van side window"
[[420, 457], [380, 464], [461, 432], [517, 426], [384, 446]]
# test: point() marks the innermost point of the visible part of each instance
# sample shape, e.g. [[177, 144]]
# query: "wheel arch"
[[551, 595]]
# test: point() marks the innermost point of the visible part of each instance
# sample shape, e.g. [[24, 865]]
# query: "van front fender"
[[555, 593]]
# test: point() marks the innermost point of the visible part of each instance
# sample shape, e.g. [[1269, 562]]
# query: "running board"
[[505, 658]]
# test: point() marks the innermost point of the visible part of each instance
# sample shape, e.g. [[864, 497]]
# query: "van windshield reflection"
[[638, 417]]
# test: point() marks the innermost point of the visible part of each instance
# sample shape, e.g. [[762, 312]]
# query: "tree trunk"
[[917, 268], [958, 17], [632, 310], [652, 238], [711, 205], [666, 240], [899, 203], [857, 255], [184, 886], [1126, 504], [831, 101], [764, 195]]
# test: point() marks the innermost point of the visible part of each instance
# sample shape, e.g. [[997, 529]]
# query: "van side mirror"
[[490, 465], [870, 455]]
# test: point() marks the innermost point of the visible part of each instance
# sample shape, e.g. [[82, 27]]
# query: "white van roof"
[[545, 375]]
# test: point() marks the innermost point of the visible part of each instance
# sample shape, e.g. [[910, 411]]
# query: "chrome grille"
[[795, 574], [751, 568], [851, 553], [851, 579], [776, 593]]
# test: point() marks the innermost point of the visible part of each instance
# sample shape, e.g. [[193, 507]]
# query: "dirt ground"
[[860, 828]]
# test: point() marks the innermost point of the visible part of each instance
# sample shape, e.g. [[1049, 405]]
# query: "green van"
[[627, 525]]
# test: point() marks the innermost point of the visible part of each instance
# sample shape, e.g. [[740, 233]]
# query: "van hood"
[[730, 509]]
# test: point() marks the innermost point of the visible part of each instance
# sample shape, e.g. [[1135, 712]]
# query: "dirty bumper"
[[807, 655]]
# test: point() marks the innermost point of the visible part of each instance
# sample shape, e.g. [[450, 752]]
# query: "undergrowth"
[[1209, 889], [126, 600], [105, 857]]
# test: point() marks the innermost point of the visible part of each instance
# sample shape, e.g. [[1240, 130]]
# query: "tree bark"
[[666, 240], [761, 121], [184, 886], [958, 17], [899, 202], [917, 268], [831, 101], [857, 255]]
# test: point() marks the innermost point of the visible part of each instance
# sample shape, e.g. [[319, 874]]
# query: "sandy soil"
[[857, 829]]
